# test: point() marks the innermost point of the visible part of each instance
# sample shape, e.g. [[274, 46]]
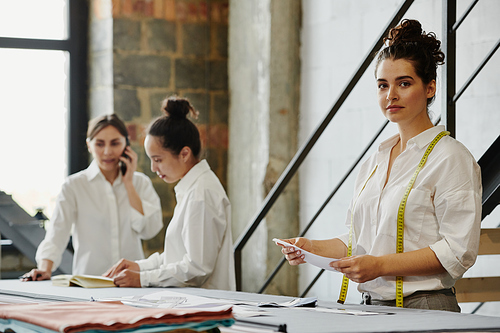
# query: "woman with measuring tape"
[[415, 218]]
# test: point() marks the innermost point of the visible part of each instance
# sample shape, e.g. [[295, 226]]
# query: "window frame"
[[77, 47]]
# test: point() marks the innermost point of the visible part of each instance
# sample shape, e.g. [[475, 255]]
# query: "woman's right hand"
[[36, 275], [120, 266], [295, 257]]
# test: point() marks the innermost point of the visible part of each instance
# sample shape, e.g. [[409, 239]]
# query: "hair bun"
[[410, 32], [178, 108], [407, 31]]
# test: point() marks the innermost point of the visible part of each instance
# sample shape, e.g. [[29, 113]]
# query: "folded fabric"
[[107, 316], [9, 325]]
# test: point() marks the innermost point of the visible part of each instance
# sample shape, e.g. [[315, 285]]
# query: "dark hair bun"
[[410, 32], [178, 108]]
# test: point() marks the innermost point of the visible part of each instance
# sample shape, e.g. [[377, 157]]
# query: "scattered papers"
[[141, 302], [172, 299], [309, 302], [310, 258], [351, 312], [85, 281], [169, 299]]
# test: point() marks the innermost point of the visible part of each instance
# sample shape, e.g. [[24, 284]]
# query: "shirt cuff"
[[146, 279], [47, 250], [448, 259], [152, 262]]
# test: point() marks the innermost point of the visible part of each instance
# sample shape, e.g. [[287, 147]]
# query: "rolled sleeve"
[[448, 259], [459, 213], [344, 238]]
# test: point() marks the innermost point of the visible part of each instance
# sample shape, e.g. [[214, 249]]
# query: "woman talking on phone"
[[198, 249], [415, 216], [106, 211]]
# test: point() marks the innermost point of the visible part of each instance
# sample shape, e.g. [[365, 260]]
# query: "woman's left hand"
[[128, 279], [131, 163], [359, 269]]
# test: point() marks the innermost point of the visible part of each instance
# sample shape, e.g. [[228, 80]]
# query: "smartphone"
[[123, 166]]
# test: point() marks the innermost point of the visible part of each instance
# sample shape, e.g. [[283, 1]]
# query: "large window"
[[33, 129], [34, 19], [42, 109]]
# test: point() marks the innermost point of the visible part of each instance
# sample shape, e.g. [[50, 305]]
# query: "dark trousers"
[[444, 300]]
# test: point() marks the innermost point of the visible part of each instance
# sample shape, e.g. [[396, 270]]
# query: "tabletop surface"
[[326, 317]]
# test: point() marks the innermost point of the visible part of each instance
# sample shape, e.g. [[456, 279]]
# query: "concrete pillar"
[[249, 56], [264, 84]]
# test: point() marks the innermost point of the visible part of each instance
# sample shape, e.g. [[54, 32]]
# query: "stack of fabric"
[[106, 316]]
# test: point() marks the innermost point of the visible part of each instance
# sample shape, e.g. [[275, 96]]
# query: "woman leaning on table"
[[198, 248], [106, 211], [443, 210]]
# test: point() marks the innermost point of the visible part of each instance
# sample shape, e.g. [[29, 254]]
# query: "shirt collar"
[[389, 143], [93, 172], [191, 176], [426, 137], [421, 140]]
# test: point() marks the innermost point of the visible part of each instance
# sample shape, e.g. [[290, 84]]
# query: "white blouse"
[[105, 228], [443, 210], [198, 243]]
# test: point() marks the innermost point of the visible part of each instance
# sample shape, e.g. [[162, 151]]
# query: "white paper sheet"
[[310, 258]]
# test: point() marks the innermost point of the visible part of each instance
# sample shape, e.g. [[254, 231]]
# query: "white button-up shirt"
[[105, 228], [443, 210], [198, 243]]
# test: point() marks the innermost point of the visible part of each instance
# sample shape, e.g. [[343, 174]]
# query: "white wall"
[[336, 36]]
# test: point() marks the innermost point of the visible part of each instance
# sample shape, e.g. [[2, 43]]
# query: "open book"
[[85, 281]]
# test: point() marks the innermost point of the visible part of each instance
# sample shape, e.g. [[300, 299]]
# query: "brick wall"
[[165, 47]]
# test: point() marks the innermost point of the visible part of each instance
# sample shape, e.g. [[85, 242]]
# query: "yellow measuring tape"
[[345, 280], [400, 224]]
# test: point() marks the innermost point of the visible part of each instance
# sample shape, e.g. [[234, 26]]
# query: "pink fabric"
[[112, 316]]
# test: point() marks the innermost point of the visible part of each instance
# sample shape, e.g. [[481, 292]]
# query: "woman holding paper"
[[198, 248], [442, 212]]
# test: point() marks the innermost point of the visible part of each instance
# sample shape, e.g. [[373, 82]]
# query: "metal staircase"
[[26, 232]]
